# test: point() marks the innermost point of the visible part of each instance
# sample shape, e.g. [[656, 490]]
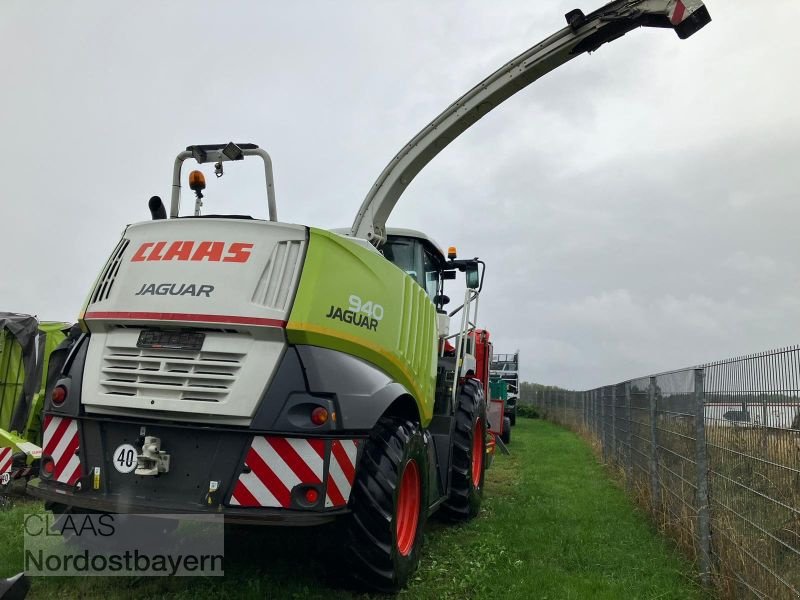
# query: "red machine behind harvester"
[[498, 423]]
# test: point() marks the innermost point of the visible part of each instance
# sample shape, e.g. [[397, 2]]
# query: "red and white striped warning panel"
[[678, 13], [5, 460], [61, 442], [341, 472], [682, 10], [275, 465]]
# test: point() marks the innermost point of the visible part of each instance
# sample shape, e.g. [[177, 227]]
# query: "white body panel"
[[234, 280]]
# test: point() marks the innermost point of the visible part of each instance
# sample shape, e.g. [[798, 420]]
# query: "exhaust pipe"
[[157, 210]]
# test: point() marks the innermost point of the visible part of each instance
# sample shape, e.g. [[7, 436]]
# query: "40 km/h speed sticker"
[[125, 458]]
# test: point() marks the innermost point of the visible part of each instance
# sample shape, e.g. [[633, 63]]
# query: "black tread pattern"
[[464, 500], [506, 437], [371, 556]]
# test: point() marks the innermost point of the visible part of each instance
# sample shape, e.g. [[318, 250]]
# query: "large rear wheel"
[[469, 455], [389, 506]]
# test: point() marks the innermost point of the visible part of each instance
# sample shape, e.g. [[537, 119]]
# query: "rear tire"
[[389, 504], [514, 416], [506, 437], [469, 455]]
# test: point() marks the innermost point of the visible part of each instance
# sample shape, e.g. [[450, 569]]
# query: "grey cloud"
[[637, 208]]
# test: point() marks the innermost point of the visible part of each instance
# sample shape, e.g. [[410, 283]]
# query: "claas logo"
[[238, 252]]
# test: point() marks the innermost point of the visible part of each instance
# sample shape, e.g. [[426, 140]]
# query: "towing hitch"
[[153, 460]]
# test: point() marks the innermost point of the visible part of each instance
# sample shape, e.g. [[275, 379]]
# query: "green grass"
[[553, 526]]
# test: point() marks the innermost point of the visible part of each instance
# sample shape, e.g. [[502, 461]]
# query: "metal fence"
[[714, 453]]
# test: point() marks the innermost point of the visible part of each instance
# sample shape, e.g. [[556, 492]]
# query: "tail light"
[[58, 395], [48, 467], [319, 416]]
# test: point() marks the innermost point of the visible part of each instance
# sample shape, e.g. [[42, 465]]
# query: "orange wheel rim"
[[477, 452], [408, 506]]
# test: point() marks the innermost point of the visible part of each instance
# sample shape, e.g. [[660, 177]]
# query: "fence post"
[[703, 515], [628, 439], [614, 455], [655, 487]]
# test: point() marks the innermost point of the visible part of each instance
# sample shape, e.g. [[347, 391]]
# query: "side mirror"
[[441, 300], [473, 276]]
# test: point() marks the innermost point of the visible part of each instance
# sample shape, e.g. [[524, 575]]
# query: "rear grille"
[[103, 289], [278, 279], [205, 376]]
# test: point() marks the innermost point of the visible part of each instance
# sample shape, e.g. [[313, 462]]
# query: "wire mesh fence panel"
[[752, 411], [677, 470], [621, 428], [640, 439], [605, 398]]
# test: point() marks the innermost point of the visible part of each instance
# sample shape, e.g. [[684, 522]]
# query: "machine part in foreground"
[[15, 588], [26, 345]]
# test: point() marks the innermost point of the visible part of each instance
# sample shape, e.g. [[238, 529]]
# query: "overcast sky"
[[637, 208]]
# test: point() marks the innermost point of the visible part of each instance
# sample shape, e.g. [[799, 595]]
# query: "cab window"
[[417, 259], [405, 254], [431, 267]]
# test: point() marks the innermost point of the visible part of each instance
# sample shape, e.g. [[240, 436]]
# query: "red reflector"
[[319, 416], [48, 466], [58, 395], [312, 496]]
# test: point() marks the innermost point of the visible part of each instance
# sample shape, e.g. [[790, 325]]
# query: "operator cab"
[[418, 255]]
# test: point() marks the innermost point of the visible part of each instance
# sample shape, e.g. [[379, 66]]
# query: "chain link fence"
[[713, 452]]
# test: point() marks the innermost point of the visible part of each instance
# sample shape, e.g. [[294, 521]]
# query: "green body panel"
[[12, 379], [395, 328], [54, 335], [12, 376], [10, 439]]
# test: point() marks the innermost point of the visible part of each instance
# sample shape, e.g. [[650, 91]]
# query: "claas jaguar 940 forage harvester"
[[284, 374]]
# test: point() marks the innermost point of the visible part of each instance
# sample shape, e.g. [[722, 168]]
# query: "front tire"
[[469, 455], [389, 504]]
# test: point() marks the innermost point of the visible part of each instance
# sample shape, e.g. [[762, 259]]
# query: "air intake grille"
[[278, 280], [169, 374], [103, 289]]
